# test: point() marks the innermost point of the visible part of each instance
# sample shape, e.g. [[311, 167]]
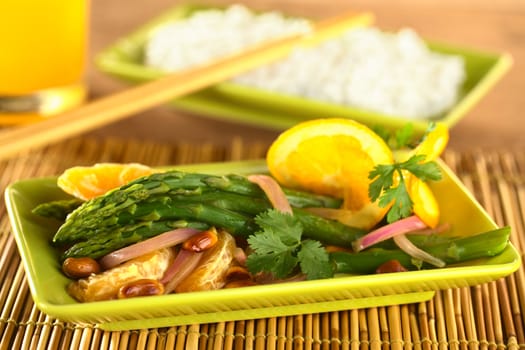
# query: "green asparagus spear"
[[217, 214], [121, 236], [240, 185], [91, 212], [58, 209], [130, 198], [451, 251]]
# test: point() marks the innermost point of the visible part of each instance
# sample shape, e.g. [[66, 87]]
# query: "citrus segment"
[[332, 157], [432, 145], [425, 205], [86, 182]]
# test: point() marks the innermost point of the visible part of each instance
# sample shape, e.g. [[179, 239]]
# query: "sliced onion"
[[184, 264], [432, 231], [408, 247], [164, 240], [409, 224], [273, 191], [240, 256]]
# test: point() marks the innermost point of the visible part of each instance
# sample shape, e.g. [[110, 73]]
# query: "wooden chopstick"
[[117, 106]]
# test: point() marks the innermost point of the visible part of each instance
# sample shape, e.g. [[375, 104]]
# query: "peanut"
[[236, 273], [201, 242], [141, 288], [80, 267], [391, 266]]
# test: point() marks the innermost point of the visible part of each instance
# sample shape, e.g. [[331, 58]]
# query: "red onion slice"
[[164, 240], [240, 256], [185, 262], [406, 225], [441, 228], [273, 191], [408, 247]]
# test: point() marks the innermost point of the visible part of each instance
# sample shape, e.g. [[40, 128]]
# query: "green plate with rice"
[[238, 103]]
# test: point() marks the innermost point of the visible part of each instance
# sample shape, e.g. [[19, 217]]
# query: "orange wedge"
[[332, 157], [86, 182]]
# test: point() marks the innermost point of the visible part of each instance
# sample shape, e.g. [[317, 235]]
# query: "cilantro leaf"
[[402, 206], [423, 171], [384, 177], [280, 265], [314, 260], [288, 228], [278, 248], [269, 243], [382, 185]]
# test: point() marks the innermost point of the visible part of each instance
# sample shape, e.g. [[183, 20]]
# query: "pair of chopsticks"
[[117, 106]]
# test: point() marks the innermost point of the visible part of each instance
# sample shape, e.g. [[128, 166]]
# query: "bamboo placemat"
[[489, 316]]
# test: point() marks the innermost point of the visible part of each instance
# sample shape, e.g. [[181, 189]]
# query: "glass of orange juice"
[[43, 49]]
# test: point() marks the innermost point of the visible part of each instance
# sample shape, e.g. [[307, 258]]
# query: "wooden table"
[[495, 122]]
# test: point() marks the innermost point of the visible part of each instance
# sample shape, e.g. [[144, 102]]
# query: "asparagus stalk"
[[121, 236], [451, 251], [240, 185], [140, 195], [216, 210], [58, 209]]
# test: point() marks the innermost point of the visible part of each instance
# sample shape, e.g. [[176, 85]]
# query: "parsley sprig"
[[278, 248], [382, 186]]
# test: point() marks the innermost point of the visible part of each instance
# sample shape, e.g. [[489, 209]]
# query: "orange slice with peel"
[[86, 182], [332, 157]]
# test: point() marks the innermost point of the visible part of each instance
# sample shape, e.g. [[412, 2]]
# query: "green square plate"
[[48, 284], [243, 104]]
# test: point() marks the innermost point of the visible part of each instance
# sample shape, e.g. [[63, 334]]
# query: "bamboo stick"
[[260, 334], [394, 327], [249, 334], [114, 107], [345, 329], [298, 334], [415, 333], [335, 331], [316, 334], [271, 334], [229, 335], [240, 329]]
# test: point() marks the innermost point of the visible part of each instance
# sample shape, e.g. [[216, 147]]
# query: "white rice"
[[390, 73]]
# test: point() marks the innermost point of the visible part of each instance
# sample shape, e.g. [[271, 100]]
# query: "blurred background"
[[496, 122]]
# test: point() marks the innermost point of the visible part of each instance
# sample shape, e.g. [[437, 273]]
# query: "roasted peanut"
[[141, 288], [391, 266], [236, 273], [201, 242], [80, 267]]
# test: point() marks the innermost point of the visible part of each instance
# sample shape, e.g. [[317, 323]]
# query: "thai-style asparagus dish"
[[172, 231]]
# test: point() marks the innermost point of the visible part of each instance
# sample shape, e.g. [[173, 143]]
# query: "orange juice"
[[42, 56]]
